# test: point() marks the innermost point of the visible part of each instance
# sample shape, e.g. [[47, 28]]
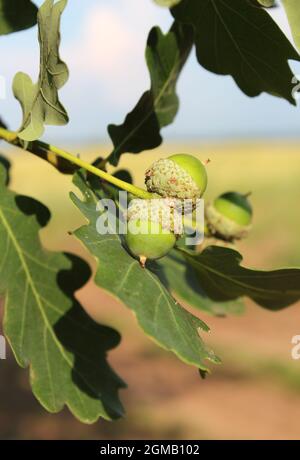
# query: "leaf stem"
[[12, 138], [8, 136]]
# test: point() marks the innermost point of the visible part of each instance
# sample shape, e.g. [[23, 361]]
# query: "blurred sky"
[[103, 43]]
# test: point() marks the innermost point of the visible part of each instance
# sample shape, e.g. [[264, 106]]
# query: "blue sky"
[[103, 43]]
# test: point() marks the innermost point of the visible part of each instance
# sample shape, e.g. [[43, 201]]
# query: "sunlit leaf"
[[40, 103]]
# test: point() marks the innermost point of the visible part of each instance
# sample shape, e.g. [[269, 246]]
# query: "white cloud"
[[110, 50], [103, 45]]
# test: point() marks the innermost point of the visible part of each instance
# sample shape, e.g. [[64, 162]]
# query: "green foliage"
[[292, 8], [223, 278], [181, 280], [159, 315], [234, 37], [165, 56], [16, 15], [40, 103], [44, 324]]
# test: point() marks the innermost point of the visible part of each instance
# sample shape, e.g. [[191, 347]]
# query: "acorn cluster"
[[155, 225]]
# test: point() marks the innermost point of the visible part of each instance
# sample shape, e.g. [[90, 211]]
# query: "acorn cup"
[[229, 217], [153, 227]]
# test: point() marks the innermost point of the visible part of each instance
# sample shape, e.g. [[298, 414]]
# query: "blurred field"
[[255, 394]]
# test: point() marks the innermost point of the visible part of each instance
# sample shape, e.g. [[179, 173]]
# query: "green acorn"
[[179, 176], [229, 216], [153, 227]]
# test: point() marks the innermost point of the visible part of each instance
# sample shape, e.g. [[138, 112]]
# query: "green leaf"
[[223, 278], [40, 103], [44, 323], [159, 315], [167, 3], [181, 279], [165, 56], [235, 37], [16, 15], [292, 9]]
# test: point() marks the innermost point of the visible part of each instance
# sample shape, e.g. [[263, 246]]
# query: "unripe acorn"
[[179, 176], [153, 227], [229, 216]]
